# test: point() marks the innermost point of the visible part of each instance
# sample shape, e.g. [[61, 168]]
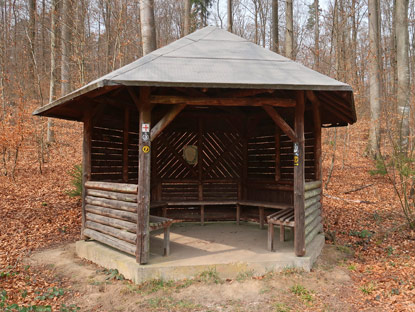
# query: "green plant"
[[51, 293], [352, 267], [302, 292], [281, 307], [114, 274], [389, 250], [368, 288], [69, 308], [6, 307], [242, 276], [76, 182], [361, 234], [210, 275]]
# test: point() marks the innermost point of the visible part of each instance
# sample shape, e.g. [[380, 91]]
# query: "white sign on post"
[[145, 127]]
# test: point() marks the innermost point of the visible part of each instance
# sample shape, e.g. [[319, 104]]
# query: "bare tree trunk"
[[187, 10], [274, 31], [402, 45], [374, 81], [52, 84], [32, 35], [316, 35], [148, 29], [65, 44], [289, 29], [230, 15]]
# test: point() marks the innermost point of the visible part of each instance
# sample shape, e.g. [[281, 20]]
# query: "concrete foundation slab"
[[225, 247]]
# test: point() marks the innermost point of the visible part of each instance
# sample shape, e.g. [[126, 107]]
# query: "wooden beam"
[[86, 163], [166, 120], [317, 134], [277, 154], [206, 101], [143, 194], [280, 122], [299, 177], [125, 145]]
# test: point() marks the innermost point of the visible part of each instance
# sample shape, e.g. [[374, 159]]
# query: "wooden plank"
[[206, 101], [166, 242], [111, 203], [317, 135], [312, 209], [312, 193], [144, 186], [311, 201], [125, 145], [255, 203], [112, 213], [114, 187], [280, 122], [299, 178], [312, 225], [312, 185], [270, 237], [313, 233], [121, 224], [166, 120], [111, 241], [112, 195], [86, 163], [117, 233], [310, 217]]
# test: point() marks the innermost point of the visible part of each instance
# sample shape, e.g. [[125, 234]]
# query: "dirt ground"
[[327, 288]]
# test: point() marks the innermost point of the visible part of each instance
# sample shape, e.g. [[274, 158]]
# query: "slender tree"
[[374, 79], [402, 45], [274, 24], [32, 36], [316, 35], [187, 11], [53, 70], [230, 15], [289, 29], [65, 46], [148, 29]]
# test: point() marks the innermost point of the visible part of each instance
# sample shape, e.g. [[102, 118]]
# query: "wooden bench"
[[282, 218], [238, 203], [157, 223]]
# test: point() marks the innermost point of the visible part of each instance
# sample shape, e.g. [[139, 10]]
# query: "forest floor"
[[369, 263]]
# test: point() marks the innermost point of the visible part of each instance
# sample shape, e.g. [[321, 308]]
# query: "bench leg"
[[164, 214], [166, 241], [261, 218], [238, 214], [270, 237], [202, 215], [282, 233]]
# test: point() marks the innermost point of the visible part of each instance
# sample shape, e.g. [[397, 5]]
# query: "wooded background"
[[50, 47]]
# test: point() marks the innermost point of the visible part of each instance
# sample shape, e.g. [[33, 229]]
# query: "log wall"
[[312, 206], [111, 214]]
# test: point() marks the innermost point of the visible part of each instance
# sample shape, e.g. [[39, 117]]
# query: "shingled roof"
[[213, 58]]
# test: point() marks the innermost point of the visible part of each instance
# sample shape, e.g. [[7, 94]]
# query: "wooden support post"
[[280, 122], [125, 145], [166, 120], [282, 233], [270, 237], [277, 153], [166, 241], [238, 206], [261, 217], [86, 163], [202, 215], [143, 194], [200, 169], [299, 179], [317, 139]]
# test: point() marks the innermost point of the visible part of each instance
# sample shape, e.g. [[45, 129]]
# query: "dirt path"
[[328, 288]]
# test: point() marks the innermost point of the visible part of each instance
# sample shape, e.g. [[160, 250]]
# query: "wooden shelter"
[[211, 127]]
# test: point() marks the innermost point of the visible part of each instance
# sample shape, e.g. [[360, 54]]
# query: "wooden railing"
[[111, 214], [312, 206]]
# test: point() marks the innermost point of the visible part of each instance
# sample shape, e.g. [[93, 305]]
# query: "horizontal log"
[[206, 101], [120, 224], [114, 187], [312, 193], [312, 185], [117, 233], [111, 241], [311, 201], [312, 208], [112, 213], [313, 233], [132, 198], [110, 203], [312, 225], [309, 218]]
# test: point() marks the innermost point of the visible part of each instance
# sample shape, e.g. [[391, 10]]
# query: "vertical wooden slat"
[[144, 171], [86, 163], [270, 237], [125, 145], [277, 154], [317, 140], [299, 180], [200, 169], [244, 175]]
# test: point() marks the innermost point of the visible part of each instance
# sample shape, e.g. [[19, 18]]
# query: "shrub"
[[76, 182]]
